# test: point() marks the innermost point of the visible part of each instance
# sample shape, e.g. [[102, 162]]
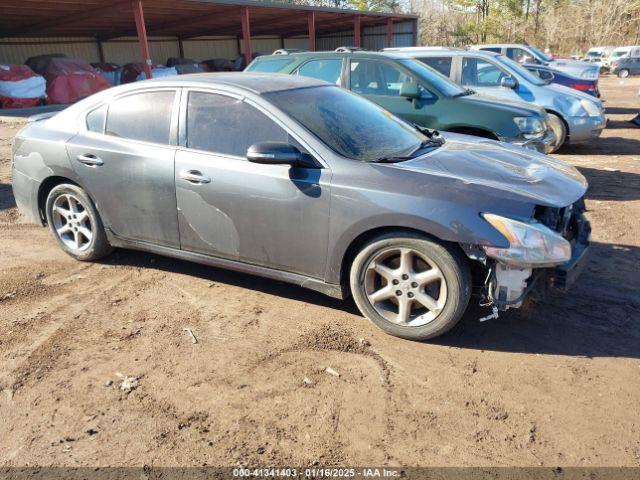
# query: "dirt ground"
[[554, 385]]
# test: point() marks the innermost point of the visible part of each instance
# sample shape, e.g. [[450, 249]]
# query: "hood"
[[518, 107], [530, 176], [572, 92]]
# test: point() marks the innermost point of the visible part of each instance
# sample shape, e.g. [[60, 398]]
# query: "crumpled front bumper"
[[582, 129], [562, 277]]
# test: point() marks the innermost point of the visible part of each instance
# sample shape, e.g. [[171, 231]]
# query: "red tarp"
[[20, 87], [69, 80]]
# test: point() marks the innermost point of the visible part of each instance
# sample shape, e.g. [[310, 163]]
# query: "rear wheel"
[[624, 73], [409, 286], [559, 129], [75, 223]]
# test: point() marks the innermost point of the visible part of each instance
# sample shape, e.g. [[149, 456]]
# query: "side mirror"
[[278, 153], [409, 90], [509, 82]]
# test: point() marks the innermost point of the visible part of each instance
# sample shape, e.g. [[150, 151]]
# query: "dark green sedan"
[[419, 94]]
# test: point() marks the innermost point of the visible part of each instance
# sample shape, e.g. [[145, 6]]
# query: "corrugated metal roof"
[[181, 18]]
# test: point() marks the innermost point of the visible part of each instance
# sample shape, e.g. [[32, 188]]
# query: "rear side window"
[[545, 75], [327, 69], [440, 64], [225, 125], [269, 66], [142, 116], [96, 119]]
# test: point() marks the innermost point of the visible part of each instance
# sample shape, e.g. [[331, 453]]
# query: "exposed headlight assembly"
[[530, 244], [590, 107], [530, 127]]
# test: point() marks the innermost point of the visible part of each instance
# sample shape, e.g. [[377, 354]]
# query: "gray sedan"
[[298, 180]]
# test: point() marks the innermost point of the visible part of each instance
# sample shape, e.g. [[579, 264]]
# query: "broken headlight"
[[530, 244], [530, 127]]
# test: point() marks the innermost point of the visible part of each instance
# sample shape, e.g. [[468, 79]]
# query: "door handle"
[[89, 159], [194, 176]]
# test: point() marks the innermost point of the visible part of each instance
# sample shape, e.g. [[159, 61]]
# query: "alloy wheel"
[[559, 129], [71, 222], [405, 287]]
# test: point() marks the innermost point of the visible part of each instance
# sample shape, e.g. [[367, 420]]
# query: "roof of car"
[[328, 54], [254, 82], [448, 51], [501, 45]]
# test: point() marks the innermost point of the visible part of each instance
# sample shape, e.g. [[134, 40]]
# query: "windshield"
[[432, 78], [542, 56], [514, 66], [349, 124]]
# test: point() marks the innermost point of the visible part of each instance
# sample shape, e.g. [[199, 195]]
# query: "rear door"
[[125, 158], [268, 215], [380, 81]]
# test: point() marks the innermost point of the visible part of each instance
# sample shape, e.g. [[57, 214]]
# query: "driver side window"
[[480, 73], [226, 125], [520, 55]]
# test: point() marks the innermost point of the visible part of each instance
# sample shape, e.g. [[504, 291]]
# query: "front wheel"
[[624, 73], [409, 286], [75, 223], [559, 129]]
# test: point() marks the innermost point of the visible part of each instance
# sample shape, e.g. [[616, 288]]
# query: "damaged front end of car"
[[544, 254]]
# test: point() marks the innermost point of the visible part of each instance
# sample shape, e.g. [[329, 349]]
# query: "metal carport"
[[187, 19]]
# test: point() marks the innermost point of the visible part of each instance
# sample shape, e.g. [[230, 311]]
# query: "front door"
[[268, 215], [380, 81], [125, 161], [484, 76]]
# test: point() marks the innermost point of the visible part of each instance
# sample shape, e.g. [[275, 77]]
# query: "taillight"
[[583, 87]]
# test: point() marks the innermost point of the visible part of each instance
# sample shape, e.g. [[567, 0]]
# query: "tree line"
[[561, 26]]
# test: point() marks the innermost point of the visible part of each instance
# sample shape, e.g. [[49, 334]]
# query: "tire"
[[560, 129], [75, 223], [378, 296], [624, 73]]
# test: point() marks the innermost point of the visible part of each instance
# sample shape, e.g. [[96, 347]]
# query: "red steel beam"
[[311, 17], [246, 34], [138, 15], [356, 31], [389, 32]]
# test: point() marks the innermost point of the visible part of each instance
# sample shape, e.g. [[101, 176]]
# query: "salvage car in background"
[[418, 94], [295, 179], [625, 66], [550, 75], [68, 79], [528, 54], [620, 52], [575, 116]]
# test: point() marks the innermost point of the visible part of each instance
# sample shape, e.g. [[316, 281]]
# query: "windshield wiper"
[[434, 139], [393, 159], [464, 93]]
